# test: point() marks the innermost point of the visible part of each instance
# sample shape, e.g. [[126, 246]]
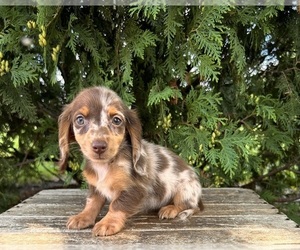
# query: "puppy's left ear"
[[134, 128]]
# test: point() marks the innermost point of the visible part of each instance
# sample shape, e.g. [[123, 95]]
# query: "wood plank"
[[233, 219], [223, 239], [146, 223], [71, 209]]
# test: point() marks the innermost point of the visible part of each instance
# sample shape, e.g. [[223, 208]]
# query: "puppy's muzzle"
[[99, 147]]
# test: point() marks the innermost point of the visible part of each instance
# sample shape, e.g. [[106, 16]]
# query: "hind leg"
[[185, 201], [180, 211], [169, 212]]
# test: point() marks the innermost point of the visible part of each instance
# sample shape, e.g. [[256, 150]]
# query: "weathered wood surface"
[[233, 219]]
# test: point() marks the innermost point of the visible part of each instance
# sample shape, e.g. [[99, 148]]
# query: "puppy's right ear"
[[65, 136]]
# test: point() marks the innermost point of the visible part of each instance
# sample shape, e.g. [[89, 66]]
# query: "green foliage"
[[148, 8], [18, 101], [156, 95], [218, 84], [208, 29], [23, 71], [172, 24], [203, 108]]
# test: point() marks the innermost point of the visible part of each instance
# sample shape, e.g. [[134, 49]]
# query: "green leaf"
[[204, 107], [172, 24], [276, 141], [126, 64], [238, 56], [156, 96], [23, 71], [86, 38], [149, 8], [234, 144], [18, 101], [141, 41], [73, 36], [208, 30]]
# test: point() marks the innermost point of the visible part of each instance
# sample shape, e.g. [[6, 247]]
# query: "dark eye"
[[116, 120], [80, 120]]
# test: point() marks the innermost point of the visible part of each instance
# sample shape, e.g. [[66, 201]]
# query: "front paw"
[[80, 221], [108, 226]]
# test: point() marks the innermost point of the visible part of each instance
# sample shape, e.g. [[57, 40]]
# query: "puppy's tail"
[[189, 212], [201, 205]]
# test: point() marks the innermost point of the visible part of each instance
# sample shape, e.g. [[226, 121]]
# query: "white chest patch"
[[101, 171], [102, 186]]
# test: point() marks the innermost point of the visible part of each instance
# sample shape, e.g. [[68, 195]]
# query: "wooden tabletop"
[[233, 219]]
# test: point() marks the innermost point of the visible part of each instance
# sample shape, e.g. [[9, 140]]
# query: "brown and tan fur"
[[131, 173]]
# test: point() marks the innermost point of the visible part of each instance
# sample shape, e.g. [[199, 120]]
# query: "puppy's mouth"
[[99, 156]]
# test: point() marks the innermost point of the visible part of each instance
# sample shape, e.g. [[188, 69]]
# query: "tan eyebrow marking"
[[111, 110], [84, 110]]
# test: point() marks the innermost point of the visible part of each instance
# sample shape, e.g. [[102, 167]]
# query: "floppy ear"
[[134, 128], [65, 136]]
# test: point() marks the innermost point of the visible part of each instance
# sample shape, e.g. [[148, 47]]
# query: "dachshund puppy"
[[121, 167]]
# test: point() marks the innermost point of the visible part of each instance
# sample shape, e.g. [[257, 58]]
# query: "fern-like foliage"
[[234, 144], [87, 40], [173, 23], [203, 108], [189, 142], [134, 46], [148, 8], [206, 35], [156, 96], [23, 71], [18, 102], [238, 57], [72, 43]]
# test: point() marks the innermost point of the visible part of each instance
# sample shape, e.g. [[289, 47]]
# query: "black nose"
[[99, 146]]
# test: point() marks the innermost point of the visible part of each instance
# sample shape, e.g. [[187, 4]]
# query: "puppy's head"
[[99, 121]]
